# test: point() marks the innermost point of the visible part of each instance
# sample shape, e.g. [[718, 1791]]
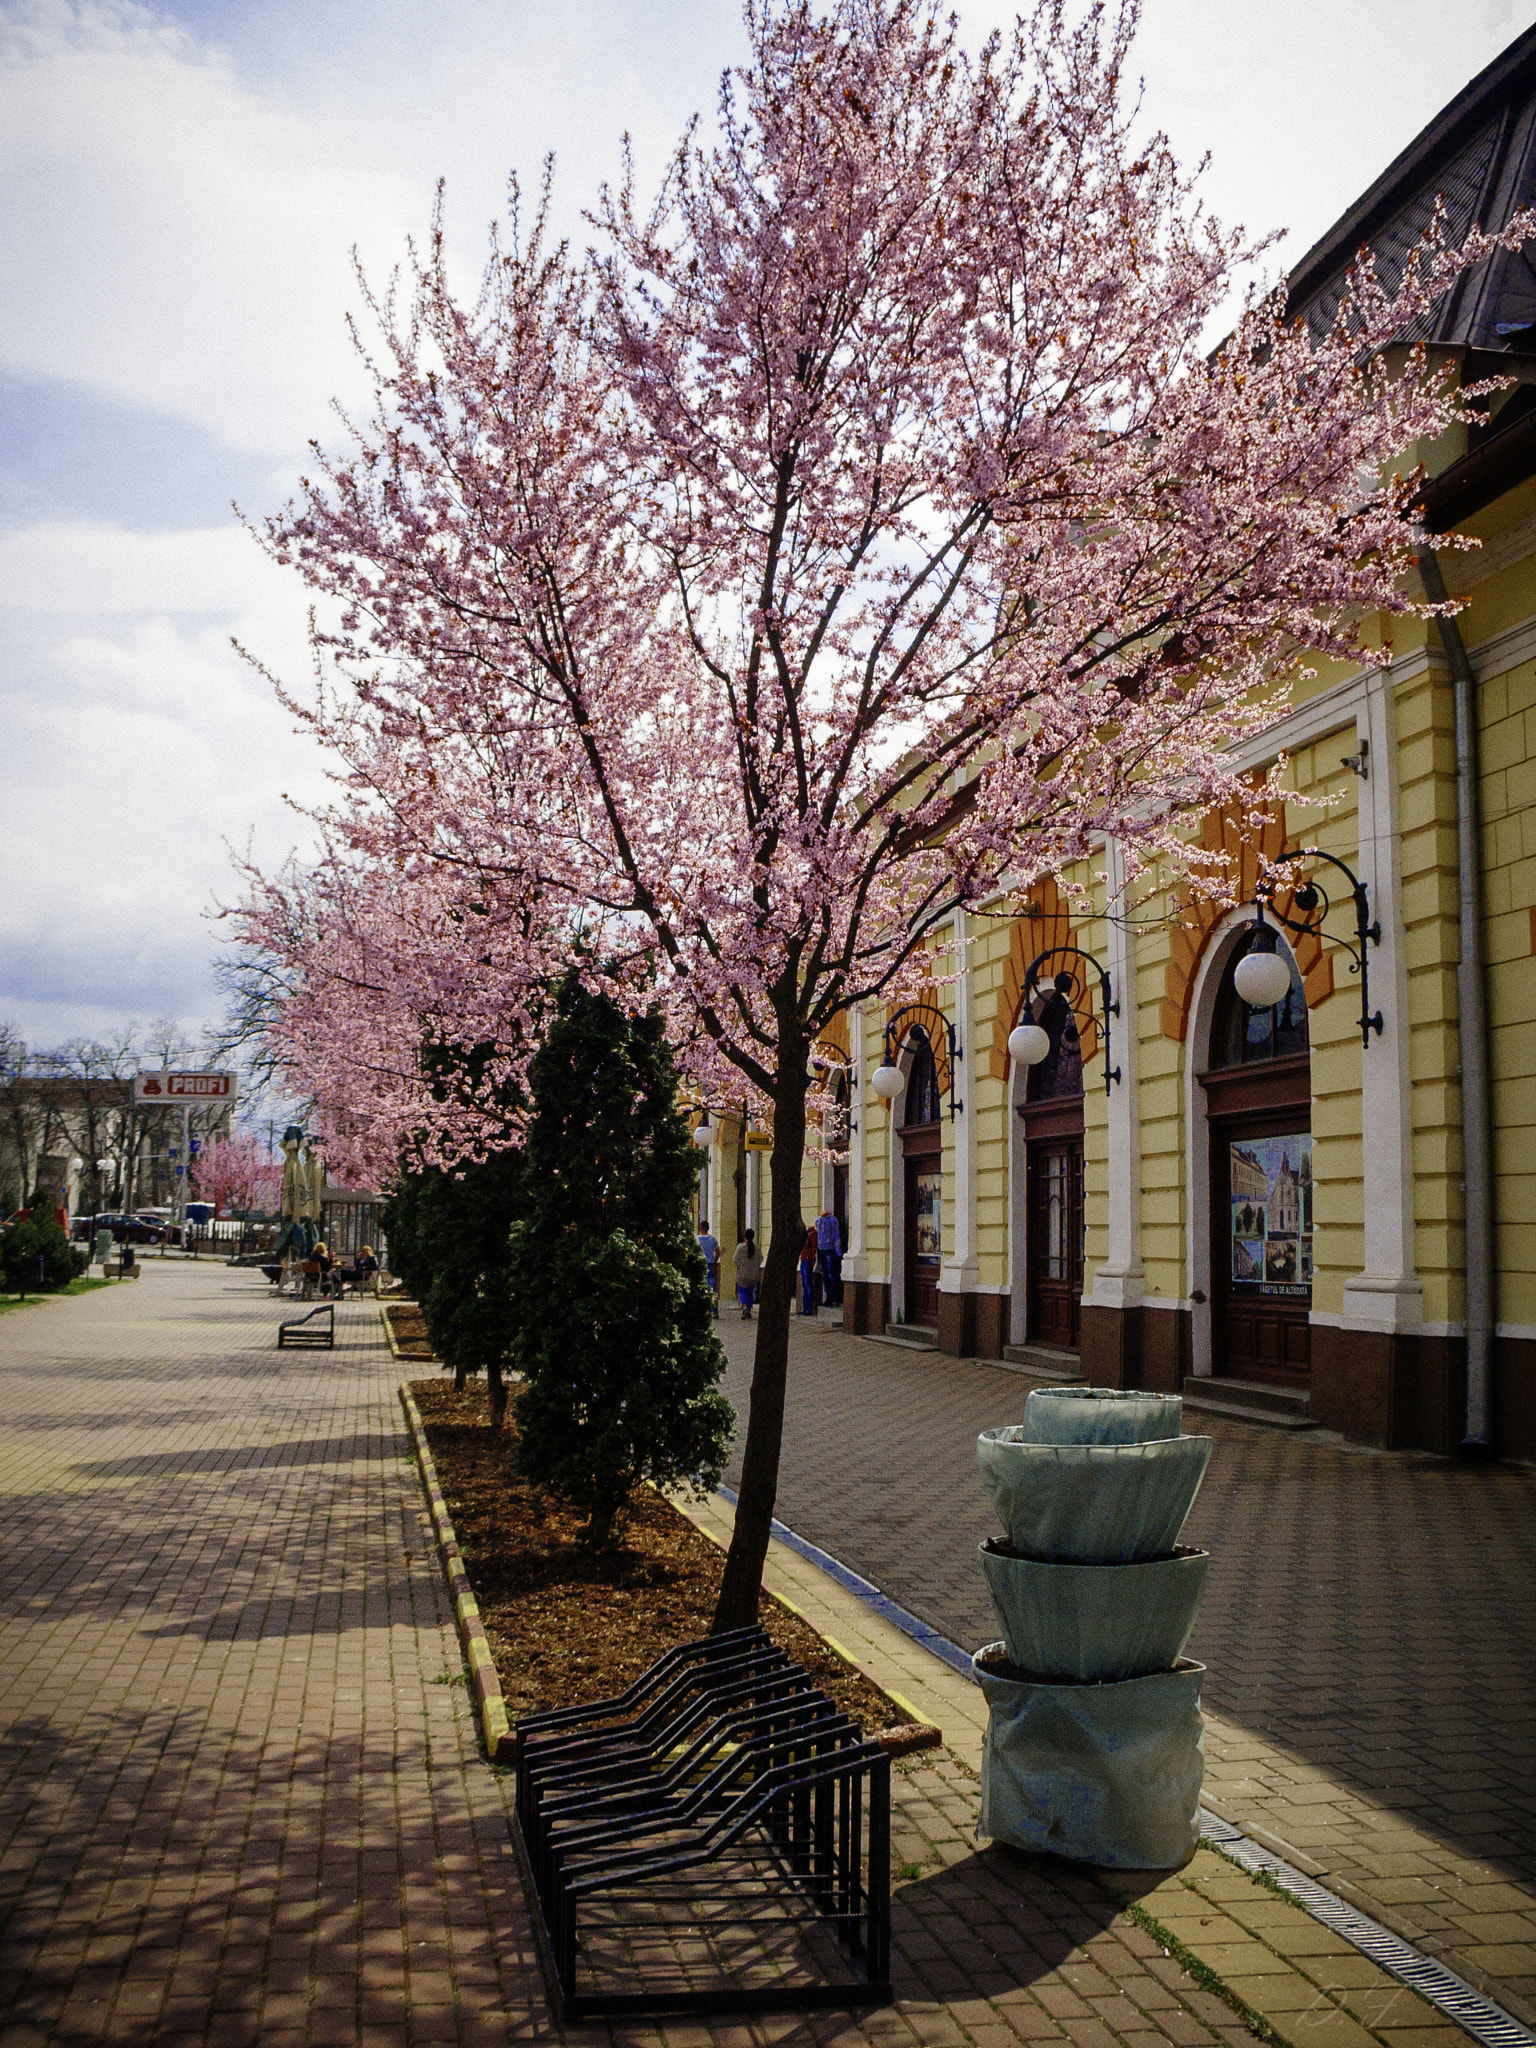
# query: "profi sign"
[[163, 1091]]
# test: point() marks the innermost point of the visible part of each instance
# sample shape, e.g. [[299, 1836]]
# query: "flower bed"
[[565, 1625]]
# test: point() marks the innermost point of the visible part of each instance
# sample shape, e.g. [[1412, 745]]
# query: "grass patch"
[[81, 1286]]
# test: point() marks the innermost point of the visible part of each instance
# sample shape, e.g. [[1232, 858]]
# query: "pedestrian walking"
[[749, 1273], [808, 1254], [709, 1245], [829, 1244]]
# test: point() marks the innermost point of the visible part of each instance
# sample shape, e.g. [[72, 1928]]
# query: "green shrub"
[[24, 1244], [613, 1322]]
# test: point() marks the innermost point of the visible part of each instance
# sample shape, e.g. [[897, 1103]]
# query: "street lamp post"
[[1253, 976], [888, 1080], [1028, 1043]]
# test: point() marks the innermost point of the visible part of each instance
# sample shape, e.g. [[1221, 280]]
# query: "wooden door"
[[1261, 1239], [925, 1235], [1054, 1249]]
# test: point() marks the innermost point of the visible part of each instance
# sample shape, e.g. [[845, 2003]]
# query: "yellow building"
[[1298, 1210]]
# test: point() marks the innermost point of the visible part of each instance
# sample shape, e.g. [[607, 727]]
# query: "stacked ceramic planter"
[[1095, 1747]]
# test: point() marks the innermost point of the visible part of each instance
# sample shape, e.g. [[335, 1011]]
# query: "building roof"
[[1479, 155]]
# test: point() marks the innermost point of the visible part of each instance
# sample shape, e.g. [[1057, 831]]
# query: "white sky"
[[180, 189]]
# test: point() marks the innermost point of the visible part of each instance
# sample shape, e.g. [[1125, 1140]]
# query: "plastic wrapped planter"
[[1105, 1774], [1086, 1623], [1092, 1503], [1100, 1415]]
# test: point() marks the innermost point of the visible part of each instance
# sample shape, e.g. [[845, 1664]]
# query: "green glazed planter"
[[1092, 1503], [1100, 1415], [1087, 1623]]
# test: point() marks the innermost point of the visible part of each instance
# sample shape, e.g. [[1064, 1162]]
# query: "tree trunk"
[[460, 1378], [743, 1578], [498, 1389]]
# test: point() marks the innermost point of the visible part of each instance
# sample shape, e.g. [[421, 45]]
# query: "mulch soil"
[[409, 1326], [566, 1625]]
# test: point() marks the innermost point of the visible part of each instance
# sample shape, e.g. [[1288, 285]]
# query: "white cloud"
[[85, 568], [139, 747], [173, 240]]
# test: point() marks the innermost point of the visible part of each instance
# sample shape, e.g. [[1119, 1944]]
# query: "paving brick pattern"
[[240, 1795], [236, 1804], [1369, 1626]]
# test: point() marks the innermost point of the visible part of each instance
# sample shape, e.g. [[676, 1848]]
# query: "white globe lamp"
[[1028, 1044], [704, 1135], [887, 1081], [1262, 979]]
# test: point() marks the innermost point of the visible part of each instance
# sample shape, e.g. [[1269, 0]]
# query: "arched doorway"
[[1258, 1089], [923, 1184], [1052, 1118]]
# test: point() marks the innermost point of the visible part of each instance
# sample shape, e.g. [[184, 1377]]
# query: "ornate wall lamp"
[[888, 1080], [1028, 1042], [1263, 979]]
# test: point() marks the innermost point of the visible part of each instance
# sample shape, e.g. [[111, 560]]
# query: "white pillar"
[[961, 1271], [1388, 1294], [749, 1168], [855, 1257], [1121, 1282]]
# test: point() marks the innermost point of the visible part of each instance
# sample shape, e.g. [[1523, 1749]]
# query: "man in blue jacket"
[[829, 1245]]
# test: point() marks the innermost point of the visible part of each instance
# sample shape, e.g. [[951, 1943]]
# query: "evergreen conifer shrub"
[[21, 1247], [449, 1241], [613, 1324]]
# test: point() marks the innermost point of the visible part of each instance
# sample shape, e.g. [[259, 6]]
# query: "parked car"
[[159, 1221], [124, 1229]]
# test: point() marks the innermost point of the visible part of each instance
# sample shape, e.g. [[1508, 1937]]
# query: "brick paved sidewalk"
[[240, 1798], [236, 1804], [1369, 1627]]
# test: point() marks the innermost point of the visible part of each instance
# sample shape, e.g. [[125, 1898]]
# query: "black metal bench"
[[295, 1333], [714, 1840]]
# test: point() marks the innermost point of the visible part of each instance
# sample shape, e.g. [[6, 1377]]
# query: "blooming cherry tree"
[[235, 1173], [858, 530]]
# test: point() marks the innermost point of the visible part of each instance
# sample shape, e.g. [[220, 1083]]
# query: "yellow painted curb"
[[490, 1701]]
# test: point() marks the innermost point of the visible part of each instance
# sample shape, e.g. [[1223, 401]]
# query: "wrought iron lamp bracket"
[[924, 1013], [1313, 899], [1072, 982]]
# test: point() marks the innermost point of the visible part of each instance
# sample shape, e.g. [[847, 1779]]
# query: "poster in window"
[[1271, 1215], [928, 1208]]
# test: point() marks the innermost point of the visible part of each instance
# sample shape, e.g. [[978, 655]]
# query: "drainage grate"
[[1485, 2021]]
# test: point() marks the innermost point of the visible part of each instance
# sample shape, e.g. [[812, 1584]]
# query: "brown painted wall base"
[[1141, 1347], [866, 1307], [1111, 1345], [956, 1330], [1514, 1396], [1400, 1391], [973, 1325]]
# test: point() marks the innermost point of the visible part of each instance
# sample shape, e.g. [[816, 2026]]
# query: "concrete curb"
[[490, 1701]]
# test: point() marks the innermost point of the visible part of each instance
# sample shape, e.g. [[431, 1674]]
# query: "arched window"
[[922, 1102], [1059, 1075], [1240, 1035]]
